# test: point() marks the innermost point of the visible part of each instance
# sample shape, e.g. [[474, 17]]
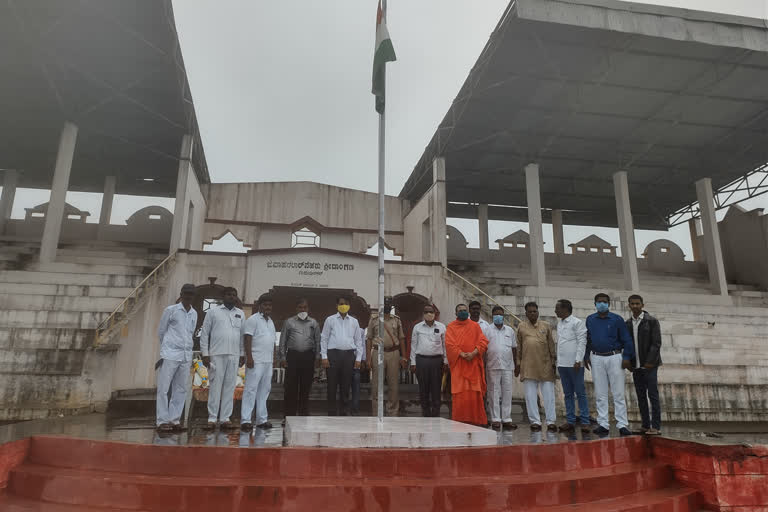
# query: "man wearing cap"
[[392, 343], [176, 329]]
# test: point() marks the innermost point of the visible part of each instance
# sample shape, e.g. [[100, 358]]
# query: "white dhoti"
[[607, 373], [172, 376], [547, 397], [500, 384], [258, 383], [222, 378]]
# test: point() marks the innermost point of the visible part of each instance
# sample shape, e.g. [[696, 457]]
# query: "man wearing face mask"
[[429, 361], [465, 345], [500, 367], [341, 350], [299, 350], [393, 345], [220, 343], [609, 352], [259, 348], [536, 366]]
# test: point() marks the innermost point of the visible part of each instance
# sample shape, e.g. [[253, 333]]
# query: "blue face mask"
[[498, 319], [462, 315], [602, 307]]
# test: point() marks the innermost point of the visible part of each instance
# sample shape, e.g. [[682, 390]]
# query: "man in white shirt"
[[429, 361], [341, 350], [500, 369], [571, 346], [176, 330], [258, 347], [220, 342], [474, 315]]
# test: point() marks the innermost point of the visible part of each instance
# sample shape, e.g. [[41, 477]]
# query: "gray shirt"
[[299, 335]]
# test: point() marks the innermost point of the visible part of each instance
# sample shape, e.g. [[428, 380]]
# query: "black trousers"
[[339, 379], [429, 372], [298, 382], [647, 389]]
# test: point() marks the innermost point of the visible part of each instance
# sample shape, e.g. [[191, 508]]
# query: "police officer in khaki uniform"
[[393, 346]]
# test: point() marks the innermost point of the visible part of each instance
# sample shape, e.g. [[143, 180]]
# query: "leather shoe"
[[552, 427], [535, 427], [601, 430], [266, 425], [624, 431], [509, 426], [566, 427]]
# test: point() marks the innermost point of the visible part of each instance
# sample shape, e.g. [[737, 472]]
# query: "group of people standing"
[[483, 359], [480, 361]]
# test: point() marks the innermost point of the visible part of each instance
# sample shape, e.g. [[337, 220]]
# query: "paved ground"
[[140, 429]]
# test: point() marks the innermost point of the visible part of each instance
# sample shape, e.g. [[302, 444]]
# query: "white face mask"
[[303, 315]]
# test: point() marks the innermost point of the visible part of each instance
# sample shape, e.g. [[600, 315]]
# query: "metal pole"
[[380, 351]]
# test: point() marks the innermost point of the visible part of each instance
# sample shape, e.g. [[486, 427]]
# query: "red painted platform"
[[53, 474]]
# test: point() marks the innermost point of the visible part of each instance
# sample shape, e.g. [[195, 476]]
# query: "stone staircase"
[[715, 362], [61, 474], [48, 319]]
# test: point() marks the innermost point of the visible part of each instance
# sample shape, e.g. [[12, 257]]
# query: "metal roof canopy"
[[586, 88], [114, 68]]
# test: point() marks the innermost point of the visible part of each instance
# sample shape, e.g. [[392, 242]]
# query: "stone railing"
[[119, 317], [477, 294]]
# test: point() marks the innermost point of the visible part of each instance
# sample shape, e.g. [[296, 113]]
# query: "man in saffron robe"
[[465, 345]]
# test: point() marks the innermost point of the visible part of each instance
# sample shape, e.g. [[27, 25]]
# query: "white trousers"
[[222, 378], [608, 373], [172, 376], [500, 392], [258, 383], [547, 397]]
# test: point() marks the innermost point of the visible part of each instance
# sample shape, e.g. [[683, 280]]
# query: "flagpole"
[[380, 351]]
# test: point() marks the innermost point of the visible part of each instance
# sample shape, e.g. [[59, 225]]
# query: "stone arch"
[[664, 255], [322, 303]]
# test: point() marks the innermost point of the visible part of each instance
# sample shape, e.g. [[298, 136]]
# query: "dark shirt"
[[609, 333]]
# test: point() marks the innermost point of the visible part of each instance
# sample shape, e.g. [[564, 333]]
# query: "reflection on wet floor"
[[141, 430]]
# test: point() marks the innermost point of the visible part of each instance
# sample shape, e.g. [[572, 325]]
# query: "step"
[[51, 319], [76, 268], [67, 290], [314, 463], [116, 259], [207, 491], [9, 503], [59, 303], [41, 362], [674, 498], [45, 338], [25, 277]]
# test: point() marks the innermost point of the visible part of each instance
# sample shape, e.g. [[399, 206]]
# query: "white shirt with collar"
[[483, 324], [176, 330], [341, 334], [500, 345], [221, 332], [262, 332], [571, 341], [428, 340], [635, 325]]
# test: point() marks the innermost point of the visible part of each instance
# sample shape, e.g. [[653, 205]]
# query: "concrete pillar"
[[535, 228], [695, 245], [181, 207], [714, 252], [439, 217], [55, 214], [482, 219], [106, 200], [557, 231], [626, 231], [10, 179]]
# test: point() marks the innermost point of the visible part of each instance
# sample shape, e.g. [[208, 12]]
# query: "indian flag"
[[384, 53]]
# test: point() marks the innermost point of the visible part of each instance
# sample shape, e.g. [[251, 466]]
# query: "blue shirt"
[[609, 334]]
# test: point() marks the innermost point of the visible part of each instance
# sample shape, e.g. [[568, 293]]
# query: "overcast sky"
[[282, 91]]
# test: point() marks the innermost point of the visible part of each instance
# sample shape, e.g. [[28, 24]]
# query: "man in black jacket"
[[646, 335]]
